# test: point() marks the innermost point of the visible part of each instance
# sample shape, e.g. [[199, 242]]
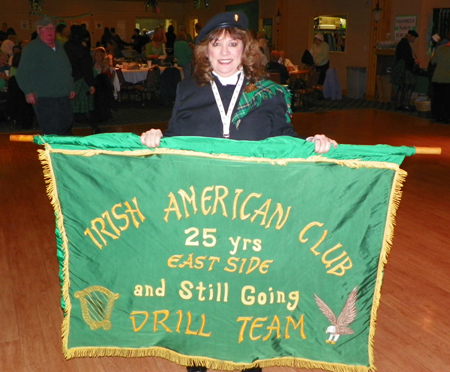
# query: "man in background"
[[45, 76], [275, 66]]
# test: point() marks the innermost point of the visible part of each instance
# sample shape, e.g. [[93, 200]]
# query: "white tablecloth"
[[136, 76]]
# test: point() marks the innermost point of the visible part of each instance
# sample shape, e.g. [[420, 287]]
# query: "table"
[[135, 76], [299, 74]]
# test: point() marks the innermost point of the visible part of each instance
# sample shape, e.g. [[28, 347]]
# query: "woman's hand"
[[322, 143], [151, 138]]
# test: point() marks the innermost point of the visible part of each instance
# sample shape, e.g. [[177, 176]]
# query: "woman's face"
[[99, 56], [225, 55]]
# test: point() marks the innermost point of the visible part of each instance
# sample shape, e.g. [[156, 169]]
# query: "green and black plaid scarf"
[[265, 89]]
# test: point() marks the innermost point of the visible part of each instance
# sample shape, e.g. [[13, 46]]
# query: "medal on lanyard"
[[226, 118]]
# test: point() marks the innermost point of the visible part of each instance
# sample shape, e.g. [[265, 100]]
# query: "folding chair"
[[302, 96], [151, 84], [125, 86]]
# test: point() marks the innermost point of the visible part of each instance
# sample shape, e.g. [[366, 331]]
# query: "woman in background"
[[104, 100], [183, 53], [320, 52], [154, 50]]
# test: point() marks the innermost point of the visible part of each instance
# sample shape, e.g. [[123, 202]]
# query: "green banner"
[[227, 254]]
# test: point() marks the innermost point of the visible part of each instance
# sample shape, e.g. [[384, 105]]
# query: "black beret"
[[222, 20], [413, 33]]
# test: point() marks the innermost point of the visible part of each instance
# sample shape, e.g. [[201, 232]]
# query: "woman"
[[229, 52], [62, 33], [320, 52], [154, 50], [83, 76], [183, 53], [226, 67], [440, 109], [104, 91], [102, 62]]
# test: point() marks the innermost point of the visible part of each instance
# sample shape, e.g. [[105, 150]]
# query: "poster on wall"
[[403, 24]]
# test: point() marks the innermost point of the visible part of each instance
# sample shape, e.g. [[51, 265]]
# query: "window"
[[333, 28]]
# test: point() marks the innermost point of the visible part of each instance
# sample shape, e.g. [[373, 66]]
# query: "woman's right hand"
[[151, 138]]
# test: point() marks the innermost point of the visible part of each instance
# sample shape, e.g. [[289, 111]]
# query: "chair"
[[303, 94], [170, 78], [125, 86], [151, 84]]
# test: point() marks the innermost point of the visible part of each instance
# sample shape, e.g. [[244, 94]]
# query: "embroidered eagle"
[[339, 326]]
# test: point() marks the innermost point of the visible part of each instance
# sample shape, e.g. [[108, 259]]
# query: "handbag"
[[307, 58]]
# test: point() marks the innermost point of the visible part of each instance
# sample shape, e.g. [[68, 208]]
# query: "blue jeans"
[[54, 115]]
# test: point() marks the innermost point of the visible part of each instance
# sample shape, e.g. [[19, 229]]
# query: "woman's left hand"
[[322, 143]]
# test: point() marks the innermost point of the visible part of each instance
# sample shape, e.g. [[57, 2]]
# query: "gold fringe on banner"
[[52, 193]]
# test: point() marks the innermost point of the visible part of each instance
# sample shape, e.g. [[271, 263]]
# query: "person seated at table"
[[286, 61], [102, 62], [113, 48], [154, 50], [275, 66], [4, 62], [8, 45], [104, 101], [4, 70]]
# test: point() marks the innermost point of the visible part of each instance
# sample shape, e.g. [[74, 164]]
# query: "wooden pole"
[[21, 137], [428, 150]]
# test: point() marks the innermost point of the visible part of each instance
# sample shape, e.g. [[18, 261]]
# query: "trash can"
[[356, 82]]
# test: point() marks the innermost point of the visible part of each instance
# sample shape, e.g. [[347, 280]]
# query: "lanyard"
[[226, 118]]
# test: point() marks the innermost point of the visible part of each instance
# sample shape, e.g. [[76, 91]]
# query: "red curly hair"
[[251, 56]]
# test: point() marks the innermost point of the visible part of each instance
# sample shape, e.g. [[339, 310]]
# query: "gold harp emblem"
[[96, 306], [236, 17]]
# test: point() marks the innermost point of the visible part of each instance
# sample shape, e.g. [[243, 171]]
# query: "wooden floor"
[[413, 333]]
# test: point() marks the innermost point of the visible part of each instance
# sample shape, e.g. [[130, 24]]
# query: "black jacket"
[[405, 52], [81, 61], [196, 114], [281, 69]]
